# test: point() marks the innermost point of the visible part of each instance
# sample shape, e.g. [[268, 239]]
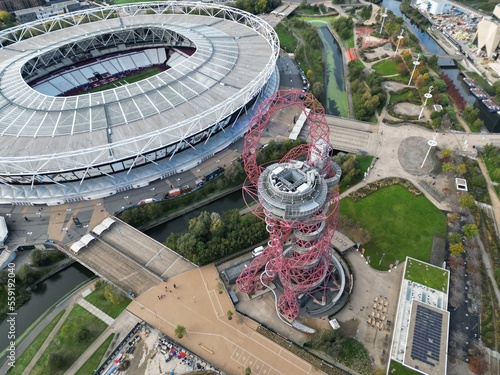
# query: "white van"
[[257, 251]]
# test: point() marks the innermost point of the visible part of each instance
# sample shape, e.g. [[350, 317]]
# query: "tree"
[[496, 174], [113, 295], [220, 287], [478, 364], [317, 89], [448, 167], [461, 169], [55, 361], [433, 62], [454, 238], [459, 338], [37, 257], [456, 249], [248, 371], [5, 17], [470, 230], [26, 274], [229, 314], [83, 334], [467, 201], [180, 331]]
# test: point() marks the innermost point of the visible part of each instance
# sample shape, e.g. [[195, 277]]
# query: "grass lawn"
[[66, 344], [96, 358], [399, 223], [97, 299], [31, 350], [386, 67], [364, 162], [427, 274], [400, 369], [288, 41], [403, 79], [410, 95], [124, 81]]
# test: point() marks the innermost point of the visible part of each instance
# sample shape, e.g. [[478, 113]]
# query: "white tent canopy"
[[4, 232], [83, 242], [105, 224], [77, 246]]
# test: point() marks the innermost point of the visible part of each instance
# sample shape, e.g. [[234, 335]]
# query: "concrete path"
[[47, 341], [97, 312]]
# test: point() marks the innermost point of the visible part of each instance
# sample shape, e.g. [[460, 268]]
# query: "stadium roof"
[[42, 134]]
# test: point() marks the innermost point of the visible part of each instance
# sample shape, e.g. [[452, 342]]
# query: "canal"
[[431, 46], [46, 294], [179, 224]]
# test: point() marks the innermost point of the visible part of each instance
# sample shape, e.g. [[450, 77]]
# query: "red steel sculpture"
[[299, 201]]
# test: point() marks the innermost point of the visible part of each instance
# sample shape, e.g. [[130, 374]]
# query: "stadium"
[[73, 125]]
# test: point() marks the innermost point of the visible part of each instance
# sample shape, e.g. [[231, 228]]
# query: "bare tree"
[[455, 262], [456, 297], [459, 338]]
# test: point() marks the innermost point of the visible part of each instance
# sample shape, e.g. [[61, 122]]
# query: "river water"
[[229, 202], [44, 296], [336, 96], [431, 46]]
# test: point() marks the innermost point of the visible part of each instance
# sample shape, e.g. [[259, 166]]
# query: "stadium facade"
[[61, 142]]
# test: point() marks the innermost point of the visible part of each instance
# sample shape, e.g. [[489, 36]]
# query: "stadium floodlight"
[[427, 96]]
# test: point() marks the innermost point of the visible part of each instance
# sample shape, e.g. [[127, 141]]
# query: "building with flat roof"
[[47, 11], [218, 63], [420, 339]]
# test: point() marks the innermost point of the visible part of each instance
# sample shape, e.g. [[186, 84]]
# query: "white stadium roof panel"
[[232, 62]]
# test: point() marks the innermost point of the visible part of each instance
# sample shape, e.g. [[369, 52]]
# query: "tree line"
[[211, 236]]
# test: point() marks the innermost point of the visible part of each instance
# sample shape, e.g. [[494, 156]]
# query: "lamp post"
[[400, 36], [384, 16], [415, 64], [431, 142], [427, 96]]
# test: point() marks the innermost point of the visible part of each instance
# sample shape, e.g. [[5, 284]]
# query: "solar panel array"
[[427, 336]]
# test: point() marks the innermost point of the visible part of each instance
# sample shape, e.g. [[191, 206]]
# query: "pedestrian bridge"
[[128, 258]]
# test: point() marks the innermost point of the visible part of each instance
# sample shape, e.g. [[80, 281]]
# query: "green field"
[[97, 299], [405, 95], [396, 368], [399, 223], [31, 350], [364, 162], [66, 343], [96, 358], [288, 41], [427, 274], [124, 81], [386, 67]]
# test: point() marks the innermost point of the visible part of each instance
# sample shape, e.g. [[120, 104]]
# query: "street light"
[[415, 64], [178, 182], [383, 20], [427, 96], [400, 36]]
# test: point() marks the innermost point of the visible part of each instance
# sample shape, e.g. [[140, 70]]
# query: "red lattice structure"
[[299, 250]]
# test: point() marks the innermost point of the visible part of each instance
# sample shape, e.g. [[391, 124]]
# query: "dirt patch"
[[377, 53], [407, 109], [411, 154], [393, 86], [349, 327]]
